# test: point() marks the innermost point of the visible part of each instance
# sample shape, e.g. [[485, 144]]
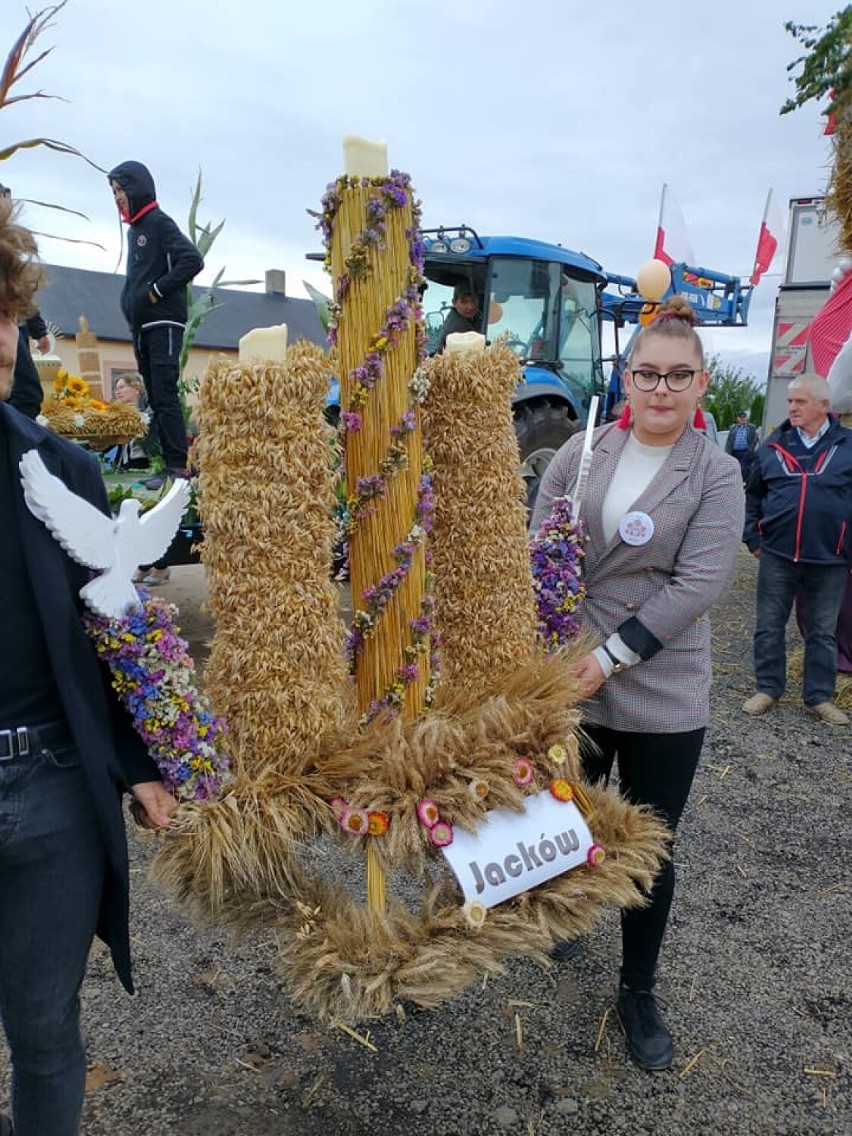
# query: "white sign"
[[513, 852]]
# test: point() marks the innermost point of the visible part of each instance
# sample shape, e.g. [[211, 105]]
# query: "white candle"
[[364, 158], [267, 344], [465, 343]]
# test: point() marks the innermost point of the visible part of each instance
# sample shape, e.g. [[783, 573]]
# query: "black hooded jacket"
[[160, 259]]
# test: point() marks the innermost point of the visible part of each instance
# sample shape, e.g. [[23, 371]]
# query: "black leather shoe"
[[648, 1039], [563, 950]]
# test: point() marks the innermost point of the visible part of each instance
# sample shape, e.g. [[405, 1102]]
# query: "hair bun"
[[676, 308]]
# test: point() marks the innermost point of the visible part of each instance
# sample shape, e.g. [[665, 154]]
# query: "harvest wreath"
[[316, 755], [72, 411]]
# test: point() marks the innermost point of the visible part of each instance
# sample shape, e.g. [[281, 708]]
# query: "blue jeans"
[[822, 590], [52, 865]]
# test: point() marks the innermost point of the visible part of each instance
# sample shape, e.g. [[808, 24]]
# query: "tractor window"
[[579, 349], [524, 305]]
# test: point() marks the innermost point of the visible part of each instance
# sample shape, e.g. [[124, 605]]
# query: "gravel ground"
[[756, 976]]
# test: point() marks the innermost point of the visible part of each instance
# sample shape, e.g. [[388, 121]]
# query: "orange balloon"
[[647, 314], [653, 279], [495, 312]]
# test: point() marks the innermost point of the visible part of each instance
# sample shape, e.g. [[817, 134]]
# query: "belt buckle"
[[18, 742]]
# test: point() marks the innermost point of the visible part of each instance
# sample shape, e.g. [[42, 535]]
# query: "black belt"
[[21, 741]]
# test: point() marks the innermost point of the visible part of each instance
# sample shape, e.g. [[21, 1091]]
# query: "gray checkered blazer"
[[697, 505]]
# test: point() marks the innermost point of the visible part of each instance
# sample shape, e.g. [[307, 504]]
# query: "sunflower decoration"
[[72, 411]]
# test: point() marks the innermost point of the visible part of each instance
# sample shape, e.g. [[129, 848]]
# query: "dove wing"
[[159, 525], [82, 530]]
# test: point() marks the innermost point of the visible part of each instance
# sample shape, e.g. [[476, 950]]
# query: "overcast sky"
[[539, 118]]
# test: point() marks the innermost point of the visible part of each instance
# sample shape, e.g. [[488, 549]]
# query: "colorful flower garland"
[[555, 554], [153, 674], [393, 192]]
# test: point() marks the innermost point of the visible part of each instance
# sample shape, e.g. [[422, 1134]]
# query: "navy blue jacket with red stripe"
[[799, 501]]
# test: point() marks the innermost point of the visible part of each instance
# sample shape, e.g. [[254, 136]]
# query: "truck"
[[554, 305], [813, 240]]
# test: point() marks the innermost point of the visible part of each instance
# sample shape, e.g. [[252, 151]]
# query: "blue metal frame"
[[716, 298]]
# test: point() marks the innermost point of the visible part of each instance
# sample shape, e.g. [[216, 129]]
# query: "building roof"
[[73, 292]]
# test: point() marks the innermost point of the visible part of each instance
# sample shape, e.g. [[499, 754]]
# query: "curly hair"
[[674, 319], [21, 272]]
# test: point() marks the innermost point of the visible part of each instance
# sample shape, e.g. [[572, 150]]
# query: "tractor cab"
[[545, 300]]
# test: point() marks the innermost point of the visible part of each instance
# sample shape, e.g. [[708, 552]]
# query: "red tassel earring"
[[624, 419], [699, 421]]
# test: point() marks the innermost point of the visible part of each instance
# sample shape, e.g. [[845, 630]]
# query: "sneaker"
[[831, 714], [155, 482], [648, 1040], [759, 703]]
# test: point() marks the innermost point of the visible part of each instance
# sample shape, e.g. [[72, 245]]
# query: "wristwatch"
[[617, 665]]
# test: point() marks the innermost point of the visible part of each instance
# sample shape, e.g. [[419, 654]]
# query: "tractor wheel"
[[540, 429]]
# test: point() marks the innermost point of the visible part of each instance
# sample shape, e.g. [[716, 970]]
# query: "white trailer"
[[812, 254]]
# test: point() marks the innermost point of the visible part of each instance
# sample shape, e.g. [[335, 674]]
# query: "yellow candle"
[[465, 343], [266, 344], [364, 158]]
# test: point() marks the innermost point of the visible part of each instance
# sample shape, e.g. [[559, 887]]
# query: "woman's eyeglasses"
[[677, 380]]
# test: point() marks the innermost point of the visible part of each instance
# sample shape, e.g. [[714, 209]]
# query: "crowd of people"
[[663, 511]]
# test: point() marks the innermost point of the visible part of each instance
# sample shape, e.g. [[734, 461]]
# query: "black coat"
[[111, 752], [27, 394], [160, 259]]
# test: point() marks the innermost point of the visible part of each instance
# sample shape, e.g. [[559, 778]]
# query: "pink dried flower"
[[441, 834], [427, 813]]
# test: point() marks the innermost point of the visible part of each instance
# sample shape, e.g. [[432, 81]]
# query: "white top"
[[635, 471]]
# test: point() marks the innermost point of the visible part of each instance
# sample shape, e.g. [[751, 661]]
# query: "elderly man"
[[799, 523], [67, 752]]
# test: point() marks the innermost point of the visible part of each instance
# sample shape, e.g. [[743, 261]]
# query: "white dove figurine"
[[115, 546]]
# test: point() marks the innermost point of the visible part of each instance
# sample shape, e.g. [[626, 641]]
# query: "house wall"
[[116, 358]]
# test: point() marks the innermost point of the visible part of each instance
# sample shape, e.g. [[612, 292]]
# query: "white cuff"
[[604, 660], [616, 645]]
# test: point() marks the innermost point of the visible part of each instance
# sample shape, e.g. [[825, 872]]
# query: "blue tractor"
[[553, 304]]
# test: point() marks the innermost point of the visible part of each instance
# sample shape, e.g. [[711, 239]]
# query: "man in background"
[[461, 317], [742, 443], [799, 524]]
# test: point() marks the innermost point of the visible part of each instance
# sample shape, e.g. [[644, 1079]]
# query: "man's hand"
[[152, 296], [44, 344], [154, 805], [590, 677]]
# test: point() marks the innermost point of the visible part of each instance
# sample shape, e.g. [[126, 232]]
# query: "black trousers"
[[655, 770], [158, 356]]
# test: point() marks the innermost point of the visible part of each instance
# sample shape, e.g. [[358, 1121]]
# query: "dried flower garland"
[[555, 554], [153, 674]]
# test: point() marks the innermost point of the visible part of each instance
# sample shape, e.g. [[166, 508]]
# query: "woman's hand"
[[590, 677], [154, 804]]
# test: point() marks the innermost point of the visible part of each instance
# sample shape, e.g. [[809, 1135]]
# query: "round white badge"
[[636, 528]]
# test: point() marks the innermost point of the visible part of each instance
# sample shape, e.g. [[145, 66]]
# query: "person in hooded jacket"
[[161, 261]]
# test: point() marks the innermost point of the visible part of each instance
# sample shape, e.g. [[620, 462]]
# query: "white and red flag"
[[672, 245], [770, 238]]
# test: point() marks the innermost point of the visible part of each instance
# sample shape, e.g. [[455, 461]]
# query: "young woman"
[[662, 512]]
